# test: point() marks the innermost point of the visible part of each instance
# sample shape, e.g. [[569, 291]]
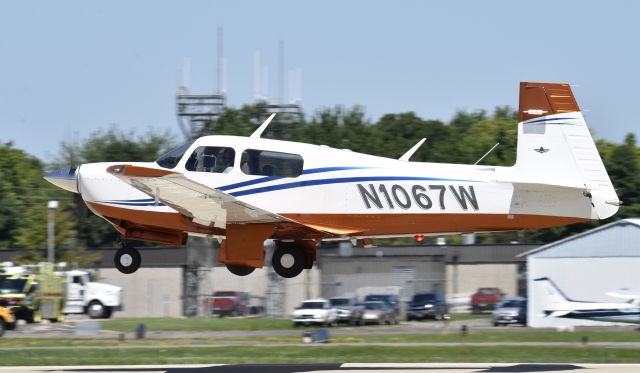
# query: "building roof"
[[620, 238]]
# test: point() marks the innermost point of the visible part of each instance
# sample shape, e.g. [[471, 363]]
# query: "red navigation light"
[[419, 237]]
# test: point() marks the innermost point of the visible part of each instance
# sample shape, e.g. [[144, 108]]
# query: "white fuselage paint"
[[344, 182]]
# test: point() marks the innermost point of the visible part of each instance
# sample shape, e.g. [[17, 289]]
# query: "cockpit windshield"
[[171, 159]]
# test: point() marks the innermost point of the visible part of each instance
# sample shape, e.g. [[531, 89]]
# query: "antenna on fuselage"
[[405, 157], [487, 153], [257, 133]]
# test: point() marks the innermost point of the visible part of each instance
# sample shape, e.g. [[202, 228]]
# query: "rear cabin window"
[[269, 163], [211, 159]]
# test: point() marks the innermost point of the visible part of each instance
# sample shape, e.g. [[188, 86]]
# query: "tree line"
[[463, 139]]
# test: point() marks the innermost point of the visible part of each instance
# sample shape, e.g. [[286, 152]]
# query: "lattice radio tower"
[[195, 111]]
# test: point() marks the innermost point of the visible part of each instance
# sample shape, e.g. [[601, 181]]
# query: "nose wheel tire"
[[127, 260], [239, 270], [288, 261]]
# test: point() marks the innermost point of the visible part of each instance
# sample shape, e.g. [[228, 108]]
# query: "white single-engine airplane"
[[560, 305], [249, 189]]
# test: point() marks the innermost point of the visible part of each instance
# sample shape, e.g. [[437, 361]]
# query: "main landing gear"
[[288, 260], [127, 259]]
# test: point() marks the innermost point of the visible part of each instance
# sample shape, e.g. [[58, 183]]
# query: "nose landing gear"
[[127, 259]]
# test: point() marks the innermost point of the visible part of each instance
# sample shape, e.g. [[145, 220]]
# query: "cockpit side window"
[[211, 159], [171, 158], [269, 163]]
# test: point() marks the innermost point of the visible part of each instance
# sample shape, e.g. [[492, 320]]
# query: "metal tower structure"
[[288, 113], [195, 111]]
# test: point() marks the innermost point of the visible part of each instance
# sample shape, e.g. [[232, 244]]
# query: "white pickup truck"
[[95, 299], [315, 311]]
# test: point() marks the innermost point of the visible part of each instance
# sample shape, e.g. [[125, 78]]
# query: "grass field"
[[87, 351], [218, 324], [195, 324], [317, 354]]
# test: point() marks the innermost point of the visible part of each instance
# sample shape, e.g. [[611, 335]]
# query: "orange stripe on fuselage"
[[358, 224], [392, 224], [145, 218]]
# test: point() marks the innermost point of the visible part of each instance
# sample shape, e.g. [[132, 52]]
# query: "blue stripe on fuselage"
[[307, 183], [600, 313], [270, 178]]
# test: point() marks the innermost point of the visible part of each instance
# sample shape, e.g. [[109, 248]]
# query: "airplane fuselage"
[[357, 194]]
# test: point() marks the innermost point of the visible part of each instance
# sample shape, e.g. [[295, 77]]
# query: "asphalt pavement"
[[337, 368], [67, 330]]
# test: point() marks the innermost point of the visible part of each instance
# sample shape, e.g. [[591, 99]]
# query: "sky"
[[68, 68]]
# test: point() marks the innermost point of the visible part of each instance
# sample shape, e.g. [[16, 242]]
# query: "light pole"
[[51, 218]]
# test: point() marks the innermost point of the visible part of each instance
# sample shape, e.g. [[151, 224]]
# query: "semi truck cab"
[[98, 300]]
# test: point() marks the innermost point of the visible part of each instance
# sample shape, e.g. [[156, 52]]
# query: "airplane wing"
[[625, 294], [204, 205]]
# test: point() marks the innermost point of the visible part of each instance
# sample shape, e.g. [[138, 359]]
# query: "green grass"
[[221, 324], [195, 324], [519, 335], [318, 354]]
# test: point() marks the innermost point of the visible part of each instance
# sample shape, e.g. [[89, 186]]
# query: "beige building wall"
[[149, 292], [470, 277]]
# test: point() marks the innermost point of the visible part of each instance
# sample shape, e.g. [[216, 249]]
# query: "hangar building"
[[585, 267]]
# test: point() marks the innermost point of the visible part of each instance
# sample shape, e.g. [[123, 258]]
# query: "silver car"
[[377, 313], [512, 310]]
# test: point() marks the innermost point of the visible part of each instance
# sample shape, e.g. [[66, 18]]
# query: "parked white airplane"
[[248, 189], [560, 305]]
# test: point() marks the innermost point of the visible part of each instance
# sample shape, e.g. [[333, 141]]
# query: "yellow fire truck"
[[33, 292], [7, 320]]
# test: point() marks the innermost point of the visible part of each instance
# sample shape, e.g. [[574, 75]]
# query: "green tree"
[[109, 145], [481, 137], [21, 187]]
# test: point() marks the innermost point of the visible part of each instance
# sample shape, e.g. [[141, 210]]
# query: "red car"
[[486, 299], [229, 303]]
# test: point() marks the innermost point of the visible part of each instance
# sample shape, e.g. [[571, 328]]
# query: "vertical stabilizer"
[[555, 146], [556, 299]]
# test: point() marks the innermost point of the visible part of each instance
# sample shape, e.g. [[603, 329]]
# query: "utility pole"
[[51, 223]]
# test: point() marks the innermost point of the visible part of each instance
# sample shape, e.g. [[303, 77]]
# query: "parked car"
[[512, 310], [378, 312], [349, 311], [390, 300], [486, 299], [229, 303], [315, 311], [427, 305]]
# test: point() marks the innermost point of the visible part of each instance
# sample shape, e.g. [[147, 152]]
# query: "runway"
[[335, 368]]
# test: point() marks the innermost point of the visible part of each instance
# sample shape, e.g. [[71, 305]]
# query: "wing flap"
[[204, 205]]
